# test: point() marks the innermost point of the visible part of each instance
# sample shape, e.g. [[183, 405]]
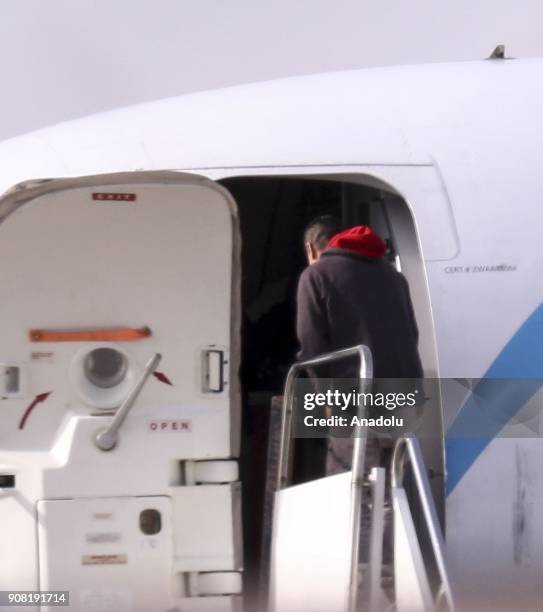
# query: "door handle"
[[213, 370], [106, 439]]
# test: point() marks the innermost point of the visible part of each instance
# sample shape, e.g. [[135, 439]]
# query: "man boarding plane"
[[124, 240]]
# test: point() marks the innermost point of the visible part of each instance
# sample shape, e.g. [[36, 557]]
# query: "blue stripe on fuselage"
[[520, 360]]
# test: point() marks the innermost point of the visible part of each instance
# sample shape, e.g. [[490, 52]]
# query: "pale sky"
[[63, 59]]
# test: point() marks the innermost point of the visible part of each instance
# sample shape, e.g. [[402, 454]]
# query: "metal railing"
[[407, 448], [359, 446]]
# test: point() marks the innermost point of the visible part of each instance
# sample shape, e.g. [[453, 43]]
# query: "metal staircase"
[[316, 561]]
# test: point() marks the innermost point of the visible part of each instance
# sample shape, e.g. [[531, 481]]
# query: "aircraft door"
[[100, 273], [100, 276]]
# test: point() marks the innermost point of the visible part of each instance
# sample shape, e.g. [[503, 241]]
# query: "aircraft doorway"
[[274, 212]]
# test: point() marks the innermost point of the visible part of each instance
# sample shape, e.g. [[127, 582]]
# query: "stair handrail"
[[365, 374], [359, 445], [408, 447]]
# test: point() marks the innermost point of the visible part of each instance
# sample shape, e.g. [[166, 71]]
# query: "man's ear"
[[311, 252]]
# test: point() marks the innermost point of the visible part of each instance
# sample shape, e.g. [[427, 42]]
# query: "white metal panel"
[[207, 527], [317, 119], [95, 549], [312, 543], [494, 534], [218, 583]]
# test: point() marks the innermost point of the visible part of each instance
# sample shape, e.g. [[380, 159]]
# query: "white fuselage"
[[461, 144]]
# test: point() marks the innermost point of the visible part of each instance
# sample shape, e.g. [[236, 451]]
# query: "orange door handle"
[[116, 334]]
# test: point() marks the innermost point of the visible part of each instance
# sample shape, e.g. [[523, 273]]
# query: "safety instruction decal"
[[104, 559]]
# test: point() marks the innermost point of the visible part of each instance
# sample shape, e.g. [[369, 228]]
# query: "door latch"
[[213, 362]]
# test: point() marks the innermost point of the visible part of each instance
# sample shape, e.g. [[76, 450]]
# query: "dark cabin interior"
[[273, 214]]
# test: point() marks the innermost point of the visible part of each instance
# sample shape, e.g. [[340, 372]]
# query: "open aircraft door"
[[101, 278]]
